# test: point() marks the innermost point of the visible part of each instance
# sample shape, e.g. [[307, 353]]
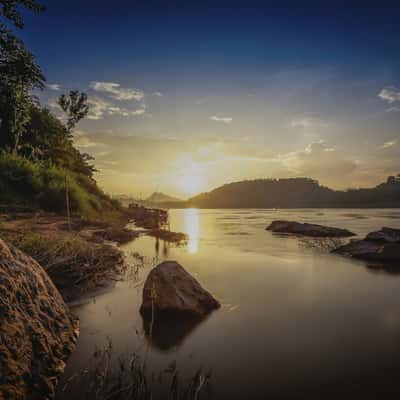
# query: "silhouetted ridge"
[[296, 193]]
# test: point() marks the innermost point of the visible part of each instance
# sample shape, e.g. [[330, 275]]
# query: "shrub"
[[41, 184]]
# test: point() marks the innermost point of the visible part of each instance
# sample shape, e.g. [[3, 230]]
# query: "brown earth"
[[37, 330]]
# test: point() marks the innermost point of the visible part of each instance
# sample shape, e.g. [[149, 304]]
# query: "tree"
[[48, 139], [9, 10], [19, 74], [75, 106]]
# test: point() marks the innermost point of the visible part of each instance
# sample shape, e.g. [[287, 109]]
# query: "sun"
[[191, 184]]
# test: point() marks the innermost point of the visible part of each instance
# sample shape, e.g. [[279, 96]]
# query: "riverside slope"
[[37, 330]]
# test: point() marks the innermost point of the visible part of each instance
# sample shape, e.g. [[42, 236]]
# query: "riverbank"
[[80, 256]]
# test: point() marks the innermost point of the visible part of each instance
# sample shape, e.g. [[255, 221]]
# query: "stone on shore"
[[173, 291], [37, 330], [305, 229]]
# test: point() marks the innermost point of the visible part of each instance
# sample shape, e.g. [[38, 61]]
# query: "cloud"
[[390, 95], [320, 161], [158, 94], [99, 108], [85, 142], [393, 109], [124, 112], [116, 91], [389, 144], [53, 86], [225, 120], [307, 123]]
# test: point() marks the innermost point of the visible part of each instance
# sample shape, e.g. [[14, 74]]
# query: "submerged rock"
[[173, 291], [37, 330], [382, 246], [305, 229]]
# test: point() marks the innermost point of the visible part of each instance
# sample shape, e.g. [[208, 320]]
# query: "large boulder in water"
[[305, 229], [37, 330], [173, 291], [380, 246]]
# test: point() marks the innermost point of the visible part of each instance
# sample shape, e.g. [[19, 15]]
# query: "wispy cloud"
[[53, 86], [393, 109], [225, 120], [389, 144], [320, 161], [100, 108], [116, 91], [307, 123], [390, 95], [158, 94]]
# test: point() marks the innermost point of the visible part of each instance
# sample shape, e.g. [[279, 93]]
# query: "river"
[[295, 322]]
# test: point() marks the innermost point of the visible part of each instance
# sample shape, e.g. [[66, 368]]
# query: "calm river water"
[[296, 322]]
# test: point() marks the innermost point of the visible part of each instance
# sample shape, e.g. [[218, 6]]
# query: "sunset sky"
[[185, 97]]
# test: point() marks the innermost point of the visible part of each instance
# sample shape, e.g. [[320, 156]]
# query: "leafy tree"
[[47, 139], [9, 10], [75, 106], [19, 74]]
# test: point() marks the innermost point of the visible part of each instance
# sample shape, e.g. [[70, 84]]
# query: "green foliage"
[[9, 9], [19, 74], [36, 150], [42, 184], [75, 106], [48, 139]]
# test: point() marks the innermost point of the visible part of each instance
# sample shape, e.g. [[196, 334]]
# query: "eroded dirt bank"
[[37, 329]]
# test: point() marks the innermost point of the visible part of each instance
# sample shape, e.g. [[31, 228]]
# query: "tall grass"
[[41, 184], [128, 378], [75, 265]]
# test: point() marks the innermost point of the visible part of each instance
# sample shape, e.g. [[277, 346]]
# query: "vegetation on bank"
[[39, 164], [42, 184], [74, 265]]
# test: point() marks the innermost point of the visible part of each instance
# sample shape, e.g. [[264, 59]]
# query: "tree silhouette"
[[75, 106], [9, 10], [19, 74]]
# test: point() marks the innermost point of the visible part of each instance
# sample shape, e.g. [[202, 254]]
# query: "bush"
[[41, 184]]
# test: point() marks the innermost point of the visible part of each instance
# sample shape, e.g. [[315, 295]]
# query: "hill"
[[296, 193], [158, 197]]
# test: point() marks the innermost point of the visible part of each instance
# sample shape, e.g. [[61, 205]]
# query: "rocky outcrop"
[[304, 229], [380, 246], [173, 291], [37, 330], [385, 235]]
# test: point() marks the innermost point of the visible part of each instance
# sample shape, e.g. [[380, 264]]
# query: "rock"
[[305, 229], [385, 235], [381, 246], [37, 330], [173, 291]]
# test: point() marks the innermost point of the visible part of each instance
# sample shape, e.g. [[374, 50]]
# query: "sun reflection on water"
[[191, 225]]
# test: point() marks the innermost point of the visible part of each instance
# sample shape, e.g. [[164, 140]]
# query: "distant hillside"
[[296, 193], [158, 197]]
